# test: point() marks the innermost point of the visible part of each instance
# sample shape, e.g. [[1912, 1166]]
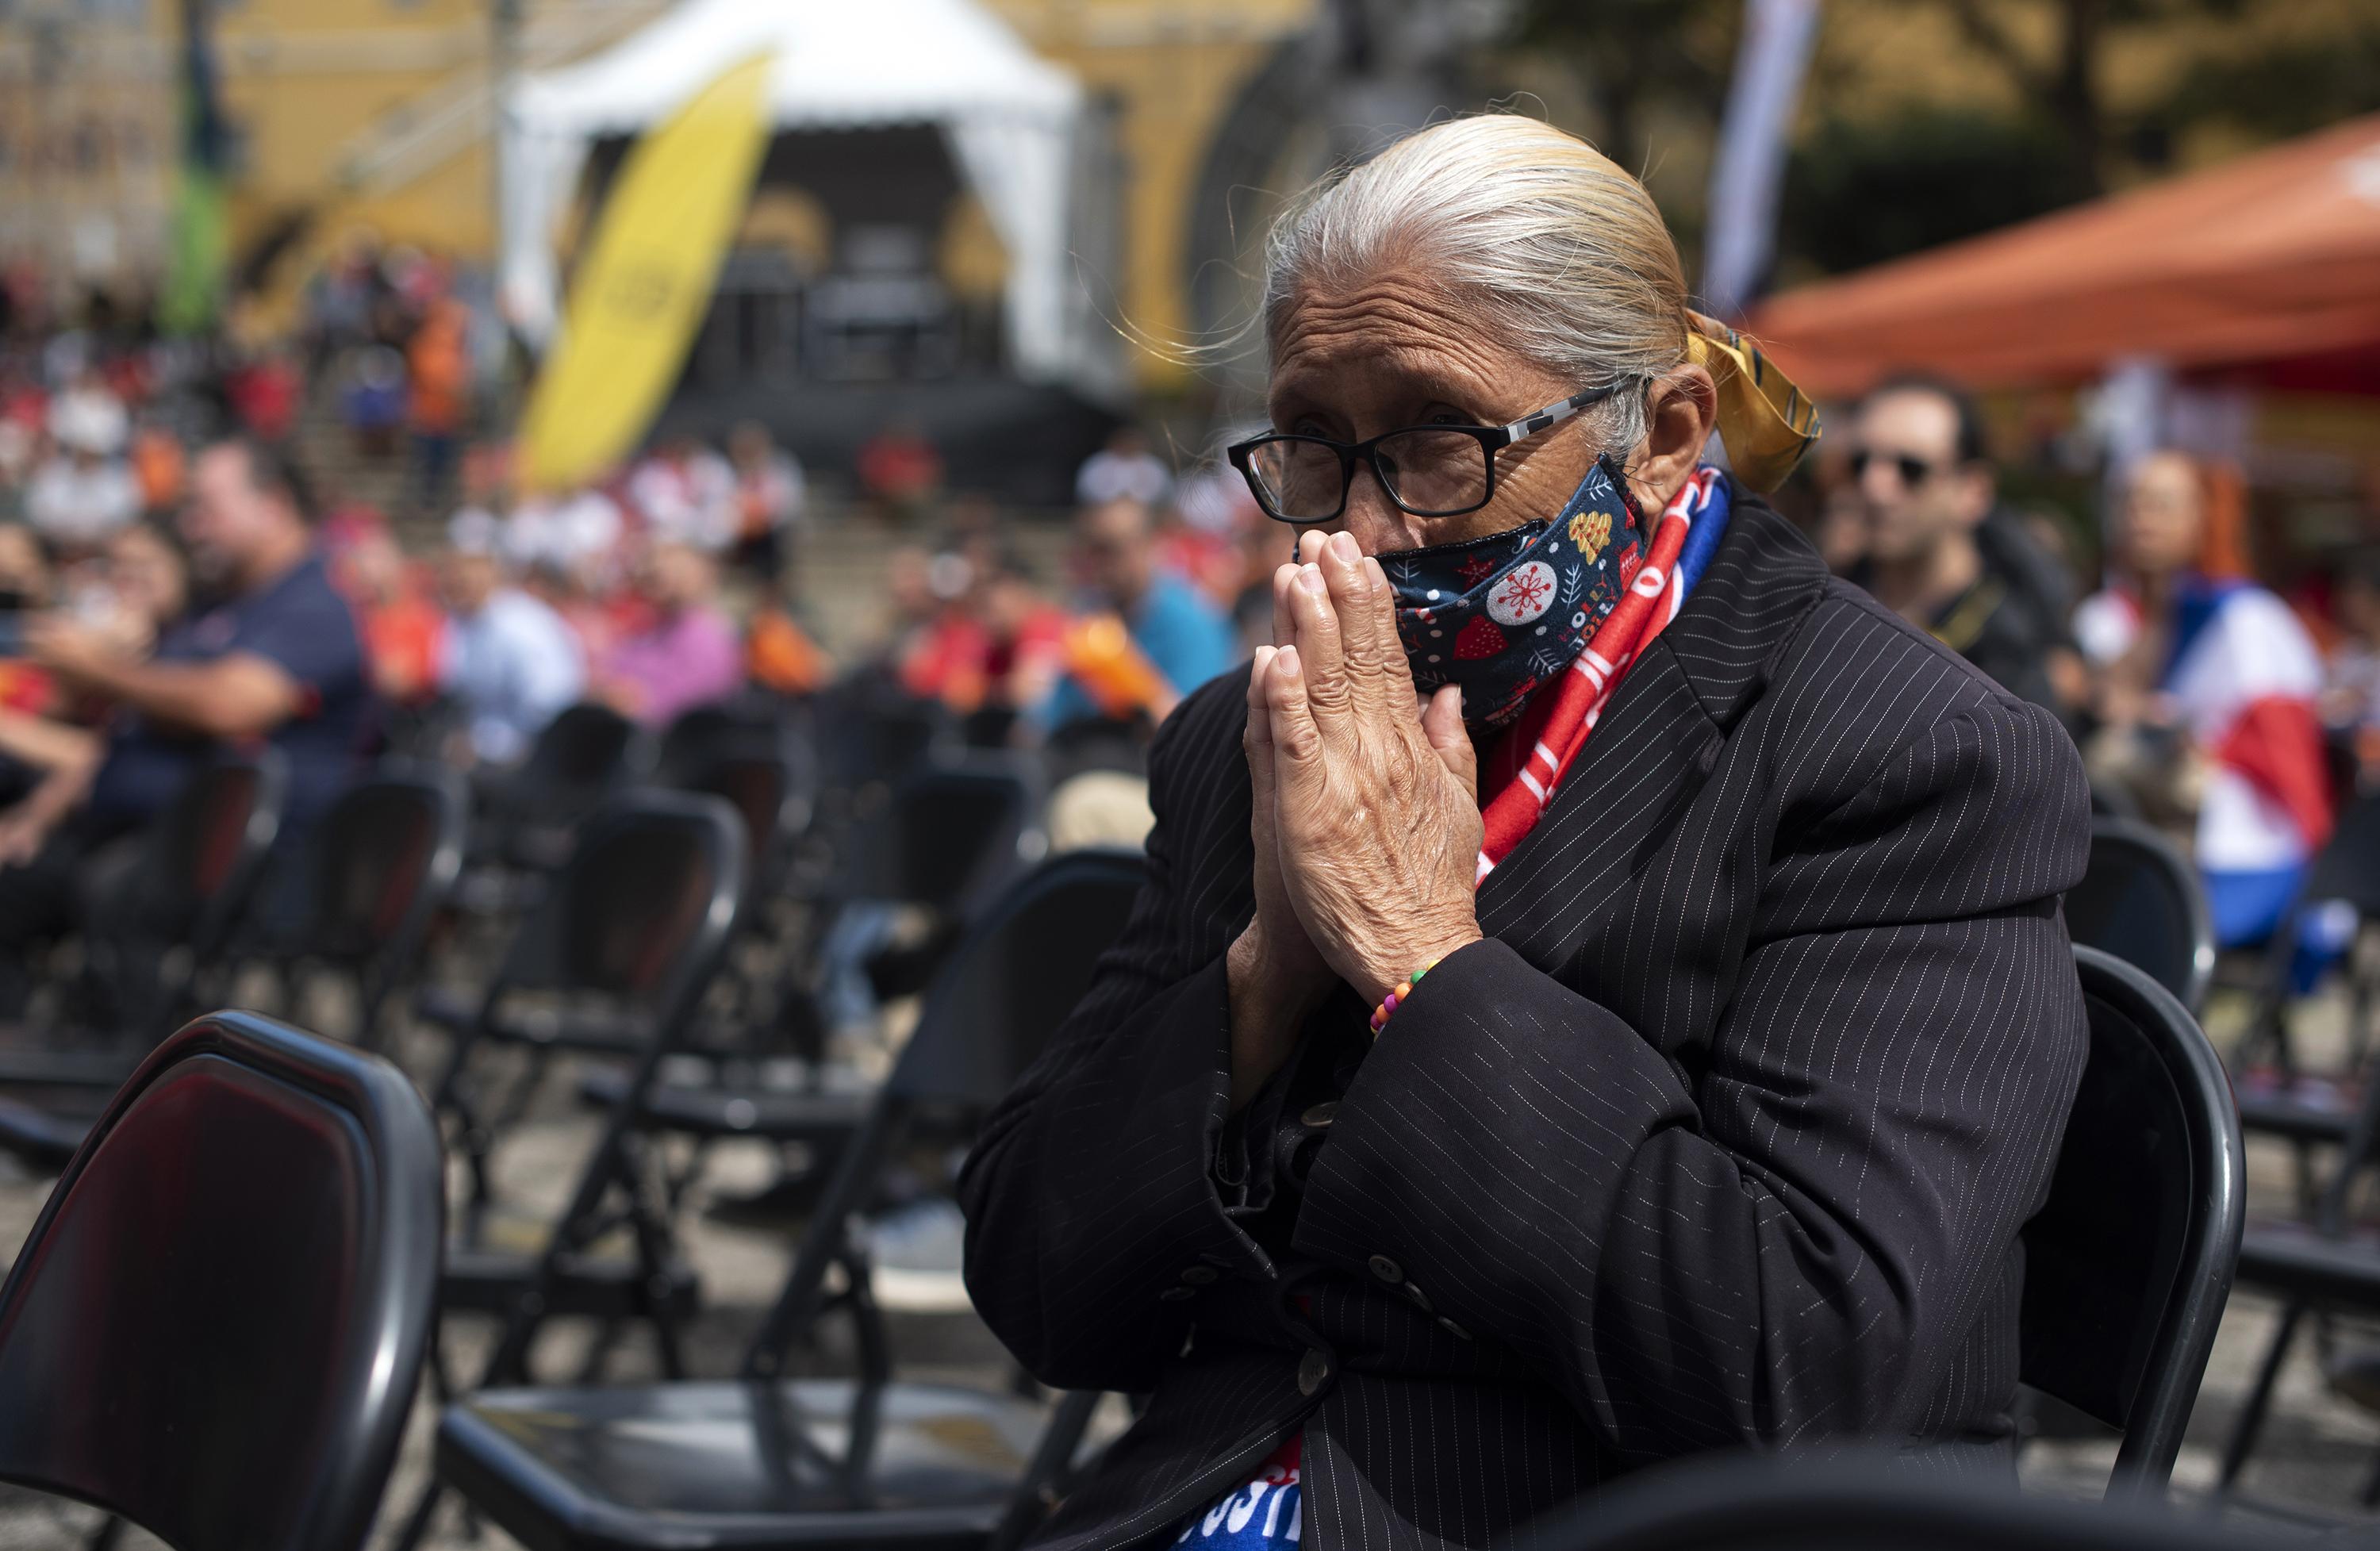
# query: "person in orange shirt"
[[438, 398]]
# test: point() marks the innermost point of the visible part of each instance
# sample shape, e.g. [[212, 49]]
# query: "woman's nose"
[[1379, 524]]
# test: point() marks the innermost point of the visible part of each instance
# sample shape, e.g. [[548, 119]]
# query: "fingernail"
[[1285, 664], [1372, 569], [1343, 546], [1310, 578]]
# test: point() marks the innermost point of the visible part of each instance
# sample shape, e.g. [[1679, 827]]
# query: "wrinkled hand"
[[1374, 812]]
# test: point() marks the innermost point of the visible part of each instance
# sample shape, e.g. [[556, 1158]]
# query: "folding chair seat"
[[778, 1114], [1866, 1502], [768, 1463], [215, 1327], [925, 1467], [378, 865], [639, 916]]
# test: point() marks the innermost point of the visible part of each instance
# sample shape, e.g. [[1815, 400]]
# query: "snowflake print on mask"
[[1523, 595], [1500, 615]]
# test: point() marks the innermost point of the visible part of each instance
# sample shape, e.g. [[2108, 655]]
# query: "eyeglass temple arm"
[[1555, 414]]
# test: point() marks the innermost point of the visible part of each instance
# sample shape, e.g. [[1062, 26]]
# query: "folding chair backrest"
[[215, 1328], [1015, 977], [2347, 867], [2130, 1260], [382, 859], [1019, 970], [642, 908], [583, 750], [199, 858], [957, 830], [2140, 901]]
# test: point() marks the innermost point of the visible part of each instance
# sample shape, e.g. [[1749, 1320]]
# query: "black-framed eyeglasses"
[[1429, 471]]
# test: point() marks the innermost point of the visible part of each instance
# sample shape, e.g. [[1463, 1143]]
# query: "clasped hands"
[[1366, 817]]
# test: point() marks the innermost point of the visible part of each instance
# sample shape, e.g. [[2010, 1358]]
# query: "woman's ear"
[[1680, 410]]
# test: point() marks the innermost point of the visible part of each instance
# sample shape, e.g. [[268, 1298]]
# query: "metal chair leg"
[[2252, 1415], [417, 1523]]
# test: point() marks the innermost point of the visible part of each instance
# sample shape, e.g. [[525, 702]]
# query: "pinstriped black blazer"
[[1723, 1136]]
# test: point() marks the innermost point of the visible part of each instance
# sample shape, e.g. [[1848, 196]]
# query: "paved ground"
[[2316, 1453]]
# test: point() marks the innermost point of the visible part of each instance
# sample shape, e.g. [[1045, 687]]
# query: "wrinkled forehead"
[[1393, 335]]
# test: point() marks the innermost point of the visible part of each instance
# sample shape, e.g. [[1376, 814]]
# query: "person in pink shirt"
[[688, 655]]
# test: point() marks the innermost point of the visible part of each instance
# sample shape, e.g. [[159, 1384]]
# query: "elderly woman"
[[1600, 993]]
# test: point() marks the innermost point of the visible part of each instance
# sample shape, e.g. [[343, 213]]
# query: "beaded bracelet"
[[1404, 988]]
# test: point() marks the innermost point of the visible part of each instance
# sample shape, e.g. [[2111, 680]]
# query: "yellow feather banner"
[[645, 281]]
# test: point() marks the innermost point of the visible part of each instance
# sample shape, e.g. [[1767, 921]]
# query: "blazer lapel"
[[1660, 738]]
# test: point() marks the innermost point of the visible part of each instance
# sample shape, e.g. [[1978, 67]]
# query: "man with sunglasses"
[[1937, 550]]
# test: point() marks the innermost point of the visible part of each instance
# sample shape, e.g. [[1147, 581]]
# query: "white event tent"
[[1010, 118]]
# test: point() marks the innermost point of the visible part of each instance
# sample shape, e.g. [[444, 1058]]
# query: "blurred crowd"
[[159, 539], [2205, 703]]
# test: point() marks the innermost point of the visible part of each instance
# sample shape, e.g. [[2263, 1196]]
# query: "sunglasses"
[[1913, 471]]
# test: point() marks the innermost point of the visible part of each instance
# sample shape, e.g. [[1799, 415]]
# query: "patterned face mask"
[[1501, 615]]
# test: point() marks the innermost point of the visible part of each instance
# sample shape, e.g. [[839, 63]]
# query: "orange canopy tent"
[[2272, 258]]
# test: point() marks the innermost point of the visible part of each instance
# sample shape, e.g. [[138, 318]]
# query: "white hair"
[[1564, 254]]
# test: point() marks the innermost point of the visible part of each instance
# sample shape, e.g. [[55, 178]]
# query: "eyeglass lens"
[[1430, 473]]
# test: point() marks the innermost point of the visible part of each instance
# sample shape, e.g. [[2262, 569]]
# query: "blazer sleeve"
[[1089, 1194], [1794, 1242]]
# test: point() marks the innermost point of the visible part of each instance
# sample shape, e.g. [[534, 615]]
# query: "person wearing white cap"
[[84, 492]]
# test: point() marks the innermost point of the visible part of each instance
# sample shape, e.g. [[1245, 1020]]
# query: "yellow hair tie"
[[1765, 422]]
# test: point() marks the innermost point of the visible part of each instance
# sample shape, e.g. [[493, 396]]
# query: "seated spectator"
[[403, 629], [769, 492], [1124, 471], [1654, 1045], [84, 491], [511, 662], [686, 495], [780, 656], [274, 655], [899, 471], [1926, 488], [689, 655], [141, 590], [372, 403], [576, 534], [1180, 639], [2206, 701], [2350, 680]]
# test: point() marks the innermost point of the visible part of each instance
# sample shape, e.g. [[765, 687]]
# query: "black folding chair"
[[2346, 870], [2140, 900], [159, 931], [377, 867], [2130, 1260], [954, 832], [529, 812], [2320, 1266], [1861, 1503], [2308, 1109], [767, 1461], [215, 1327], [639, 917]]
